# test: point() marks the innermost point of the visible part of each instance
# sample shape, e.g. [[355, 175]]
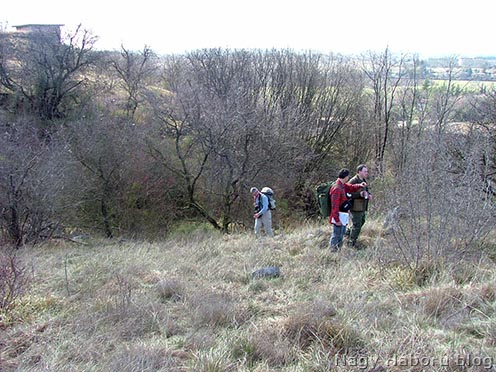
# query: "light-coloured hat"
[[253, 189]]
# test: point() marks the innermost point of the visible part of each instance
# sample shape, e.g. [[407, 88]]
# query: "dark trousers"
[[358, 220]]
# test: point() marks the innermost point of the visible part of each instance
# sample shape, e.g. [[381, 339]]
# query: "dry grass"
[[190, 304]]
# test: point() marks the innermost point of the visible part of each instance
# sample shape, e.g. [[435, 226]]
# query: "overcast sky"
[[428, 27]]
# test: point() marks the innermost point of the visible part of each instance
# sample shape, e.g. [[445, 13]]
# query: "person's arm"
[[265, 204], [335, 201], [349, 188]]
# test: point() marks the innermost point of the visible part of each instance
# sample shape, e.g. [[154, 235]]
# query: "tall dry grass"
[[190, 304]]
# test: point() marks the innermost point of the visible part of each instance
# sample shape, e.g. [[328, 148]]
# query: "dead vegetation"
[[189, 304]]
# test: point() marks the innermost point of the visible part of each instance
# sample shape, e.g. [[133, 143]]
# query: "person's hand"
[[363, 184], [339, 223], [256, 215]]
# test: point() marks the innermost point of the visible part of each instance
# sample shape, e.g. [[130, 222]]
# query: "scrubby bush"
[[442, 208], [14, 280]]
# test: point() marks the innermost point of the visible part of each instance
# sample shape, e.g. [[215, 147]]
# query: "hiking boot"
[[355, 245], [334, 248], [359, 246]]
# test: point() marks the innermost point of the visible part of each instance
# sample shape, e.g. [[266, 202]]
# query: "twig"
[[66, 277]]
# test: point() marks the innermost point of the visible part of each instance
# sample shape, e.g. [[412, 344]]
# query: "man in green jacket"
[[361, 200]]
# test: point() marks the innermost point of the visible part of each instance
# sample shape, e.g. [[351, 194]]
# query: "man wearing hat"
[[263, 215]]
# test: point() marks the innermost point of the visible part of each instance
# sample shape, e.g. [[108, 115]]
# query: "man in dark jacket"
[[359, 209], [338, 197]]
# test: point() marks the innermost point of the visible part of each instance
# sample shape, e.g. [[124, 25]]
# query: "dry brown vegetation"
[[158, 155], [189, 303]]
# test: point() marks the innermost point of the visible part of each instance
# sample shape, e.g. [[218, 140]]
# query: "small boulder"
[[267, 272]]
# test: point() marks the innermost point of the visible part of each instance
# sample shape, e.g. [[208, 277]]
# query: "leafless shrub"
[[13, 280], [29, 184], [445, 210], [122, 297], [18, 343]]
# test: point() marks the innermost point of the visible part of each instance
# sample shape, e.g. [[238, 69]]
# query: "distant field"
[[471, 86]]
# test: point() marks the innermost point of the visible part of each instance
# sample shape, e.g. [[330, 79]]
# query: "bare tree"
[[101, 148], [411, 113], [135, 71], [444, 210], [485, 106], [445, 98], [46, 72], [424, 105], [28, 184], [317, 96], [235, 118], [209, 120], [385, 73], [14, 279]]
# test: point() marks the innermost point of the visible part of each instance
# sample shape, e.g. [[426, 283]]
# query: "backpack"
[[322, 198], [324, 201], [267, 191]]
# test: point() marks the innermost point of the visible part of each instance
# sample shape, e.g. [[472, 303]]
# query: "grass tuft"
[[170, 290], [189, 303]]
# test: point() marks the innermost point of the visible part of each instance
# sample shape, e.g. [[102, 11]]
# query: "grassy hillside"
[[190, 304]]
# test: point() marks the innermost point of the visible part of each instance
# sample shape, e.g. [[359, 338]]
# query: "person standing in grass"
[[338, 197], [263, 215], [359, 207]]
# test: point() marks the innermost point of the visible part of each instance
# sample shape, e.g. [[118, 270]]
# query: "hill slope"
[[191, 304]]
